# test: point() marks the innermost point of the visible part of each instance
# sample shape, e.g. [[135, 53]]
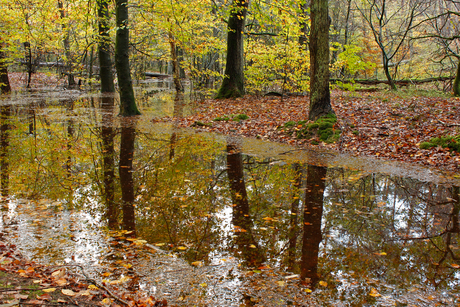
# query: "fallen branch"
[[449, 125], [398, 82]]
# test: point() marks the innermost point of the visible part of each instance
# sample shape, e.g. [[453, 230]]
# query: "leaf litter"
[[388, 127]]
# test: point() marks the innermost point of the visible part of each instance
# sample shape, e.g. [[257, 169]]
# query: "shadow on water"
[[195, 219]]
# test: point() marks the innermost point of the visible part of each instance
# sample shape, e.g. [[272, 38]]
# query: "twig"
[[96, 283], [449, 125]]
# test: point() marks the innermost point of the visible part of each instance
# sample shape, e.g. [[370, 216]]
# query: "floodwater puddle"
[[202, 219]]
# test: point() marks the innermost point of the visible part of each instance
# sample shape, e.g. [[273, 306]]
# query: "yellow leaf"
[[68, 292], [308, 290], [280, 283], [160, 244], [106, 274], [252, 246], [374, 293], [204, 285], [197, 263], [49, 290], [323, 283], [92, 287], [182, 248]]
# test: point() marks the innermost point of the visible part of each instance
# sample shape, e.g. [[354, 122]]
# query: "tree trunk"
[[320, 97], [304, 26], [128, 105], [176, 67], [105, 62], [456, 86], [4, 80], [386, 69], [313, 212], [68, 63], [4, 150], [233, 83]]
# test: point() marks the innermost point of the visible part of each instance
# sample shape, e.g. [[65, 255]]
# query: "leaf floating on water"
[[281, 283], [181, 248], [160, 244], [374, 293], [204, 285], [308, 290], [323, 283], [252, 246], [455, 266], [197, 263]]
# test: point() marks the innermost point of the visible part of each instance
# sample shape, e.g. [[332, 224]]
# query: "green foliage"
[[451, 142], [351, 60], [321, 130]]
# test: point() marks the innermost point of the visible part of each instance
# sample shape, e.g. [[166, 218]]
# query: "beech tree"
[[233, 83], [105, 62], [128, 105], [320, 97]]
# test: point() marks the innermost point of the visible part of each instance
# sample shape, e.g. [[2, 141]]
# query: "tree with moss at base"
[[233, 83], [128, 105], [320, 97]]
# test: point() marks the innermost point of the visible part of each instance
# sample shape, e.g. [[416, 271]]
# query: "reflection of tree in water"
[[126, 172], [5, 143], [242, 221], [108, 161], [400, 231], [312, 216]]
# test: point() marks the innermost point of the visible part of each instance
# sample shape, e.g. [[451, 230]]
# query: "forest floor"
[[24, 282], [382, 125]]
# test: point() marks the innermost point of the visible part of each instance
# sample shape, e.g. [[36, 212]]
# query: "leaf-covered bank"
[[384, 126]]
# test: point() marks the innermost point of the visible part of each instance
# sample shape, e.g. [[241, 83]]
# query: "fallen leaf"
[[68, 292]]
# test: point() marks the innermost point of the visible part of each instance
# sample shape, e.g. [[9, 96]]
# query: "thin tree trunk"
[[320, 97], [176, 67], [105, 62], [128, 105], [4, 151], [456, 86], [5, 86], [233, 83]]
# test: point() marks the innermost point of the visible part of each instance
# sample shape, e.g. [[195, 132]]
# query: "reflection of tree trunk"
[[108, 152], [177, 113], [294, 213], [242, 221], [5, 142], [70, 131], [126, 173], [456, 209], [313, 212]]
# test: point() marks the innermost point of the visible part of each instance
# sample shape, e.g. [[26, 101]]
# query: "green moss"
[[355, 132], [451, 142], [322, 129], [314, 142], [221, 118], [239, 117], [201, 124]]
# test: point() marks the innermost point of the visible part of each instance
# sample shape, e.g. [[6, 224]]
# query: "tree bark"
[[128, 105], [233, 83], [456, 85], [105, 62], [4, 80], [320, 97], [175, 62]]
